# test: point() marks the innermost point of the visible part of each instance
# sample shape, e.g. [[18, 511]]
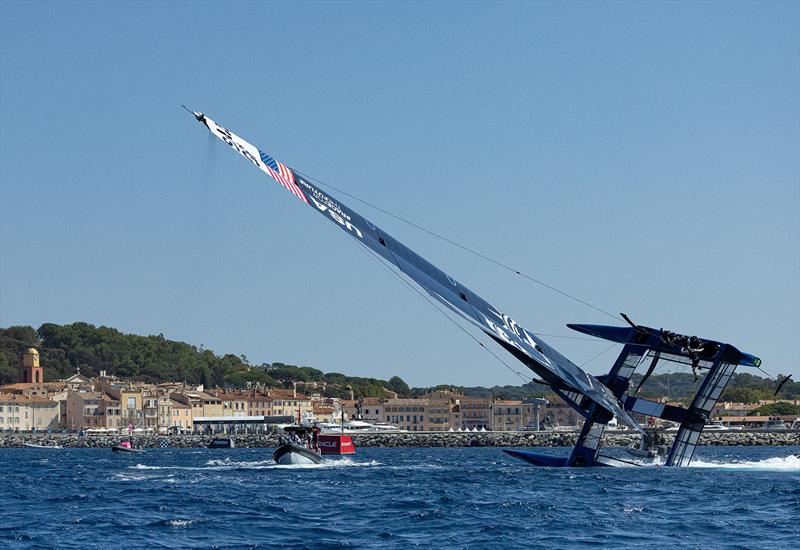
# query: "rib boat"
[[293, 453]]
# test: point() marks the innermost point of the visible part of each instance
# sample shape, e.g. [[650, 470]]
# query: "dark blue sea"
[[733, 497]]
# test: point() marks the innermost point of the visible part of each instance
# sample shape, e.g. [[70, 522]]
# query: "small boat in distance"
[[125, 447], [221, 443], [716, 426]]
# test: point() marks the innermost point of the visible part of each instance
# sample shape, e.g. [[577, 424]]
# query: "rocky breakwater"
[[559, 439], [399, 439], [138, 441]]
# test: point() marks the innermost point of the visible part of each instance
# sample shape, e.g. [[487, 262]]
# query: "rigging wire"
[[435, 306], [596, 356], [461, 246]]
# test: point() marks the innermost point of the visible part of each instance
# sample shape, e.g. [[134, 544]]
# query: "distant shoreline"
[[398, 439]]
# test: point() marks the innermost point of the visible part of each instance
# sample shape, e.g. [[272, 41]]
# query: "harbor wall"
[[402, 439]]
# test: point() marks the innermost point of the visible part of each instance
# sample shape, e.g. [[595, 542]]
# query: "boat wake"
[[228, 464], [789, 463]]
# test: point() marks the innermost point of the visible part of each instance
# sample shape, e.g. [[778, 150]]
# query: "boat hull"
[[118, 449], [222, 443], [335, 444], [290, 453]]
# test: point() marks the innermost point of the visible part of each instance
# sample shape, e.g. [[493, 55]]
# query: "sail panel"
[[538, 356]]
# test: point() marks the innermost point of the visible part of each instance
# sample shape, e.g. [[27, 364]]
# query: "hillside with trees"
[[66, 348]]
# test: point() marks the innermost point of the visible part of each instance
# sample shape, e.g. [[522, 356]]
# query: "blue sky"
[[641, 156]]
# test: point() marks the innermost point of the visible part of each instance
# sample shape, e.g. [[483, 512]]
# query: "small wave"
[[632, 509], [341, 463], [129, 477], [144, 467], [228, 464], [789, 463], [179, 522]]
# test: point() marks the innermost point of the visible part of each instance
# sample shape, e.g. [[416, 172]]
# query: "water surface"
[[733, 497]]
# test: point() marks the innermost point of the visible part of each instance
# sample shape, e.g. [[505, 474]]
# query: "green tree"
[[397, 384], [778, 409]]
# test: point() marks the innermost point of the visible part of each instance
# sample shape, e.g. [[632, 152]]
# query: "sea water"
[[732, 497]]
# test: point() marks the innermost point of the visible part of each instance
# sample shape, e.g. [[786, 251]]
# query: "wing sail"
[[551, 366]]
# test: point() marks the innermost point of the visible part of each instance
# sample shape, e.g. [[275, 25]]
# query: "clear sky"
[[642, 156]]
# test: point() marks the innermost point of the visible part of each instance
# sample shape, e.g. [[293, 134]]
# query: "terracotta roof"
[[31, 385], [22, 400], [287, 394], [231, 397]]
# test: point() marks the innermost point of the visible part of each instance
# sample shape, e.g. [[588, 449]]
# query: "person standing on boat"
[[315, 438]]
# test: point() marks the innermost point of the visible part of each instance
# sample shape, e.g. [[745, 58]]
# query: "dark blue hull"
[[550, 461]]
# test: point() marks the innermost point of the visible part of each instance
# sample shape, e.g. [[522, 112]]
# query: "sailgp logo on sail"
[[227, 137]]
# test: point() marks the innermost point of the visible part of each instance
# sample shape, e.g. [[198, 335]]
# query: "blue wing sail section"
[[551, 366]]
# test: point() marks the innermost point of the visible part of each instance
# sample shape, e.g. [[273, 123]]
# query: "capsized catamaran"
[[597, 399]]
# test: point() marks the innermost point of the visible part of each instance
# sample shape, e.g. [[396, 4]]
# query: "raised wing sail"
[[551, 366]]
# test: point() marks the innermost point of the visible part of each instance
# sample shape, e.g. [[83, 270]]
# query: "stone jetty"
[[402, 439]]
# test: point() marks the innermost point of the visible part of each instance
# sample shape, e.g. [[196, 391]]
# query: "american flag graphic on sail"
[[282, 174]]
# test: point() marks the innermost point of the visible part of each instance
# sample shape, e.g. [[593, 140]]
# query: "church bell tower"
[[31, 372]]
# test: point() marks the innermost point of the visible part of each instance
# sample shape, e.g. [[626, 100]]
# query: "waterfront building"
[[92, 410], [372, 409], [290, 403], [131, 403], [203, 404], [259, 404], [508, 415], [150, 408], [239, 424], [558, 413], [728, 408], [234, 403], [476, 412], [181, 419], [437, 412], [21, 413], [409, 414], [323, 413], [164, 412]]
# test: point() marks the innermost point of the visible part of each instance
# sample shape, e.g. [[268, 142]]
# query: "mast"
[[563, 376]]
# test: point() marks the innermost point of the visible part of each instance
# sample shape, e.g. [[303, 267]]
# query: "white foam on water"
[[789, 463], [228, 464], [337, 463], [179, 522], [632, 509]]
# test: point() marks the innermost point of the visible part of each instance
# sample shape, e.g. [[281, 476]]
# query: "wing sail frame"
[[545, 361]]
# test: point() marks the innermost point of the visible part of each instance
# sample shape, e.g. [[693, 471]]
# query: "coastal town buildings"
[[92, 410], [181, 418], [234, 403], [290, 403], [202, 404], [260, 404], [476, 412], [18, 412], [106, 403]]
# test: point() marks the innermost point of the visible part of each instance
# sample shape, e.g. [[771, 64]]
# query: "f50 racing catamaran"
[[597, 399]]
